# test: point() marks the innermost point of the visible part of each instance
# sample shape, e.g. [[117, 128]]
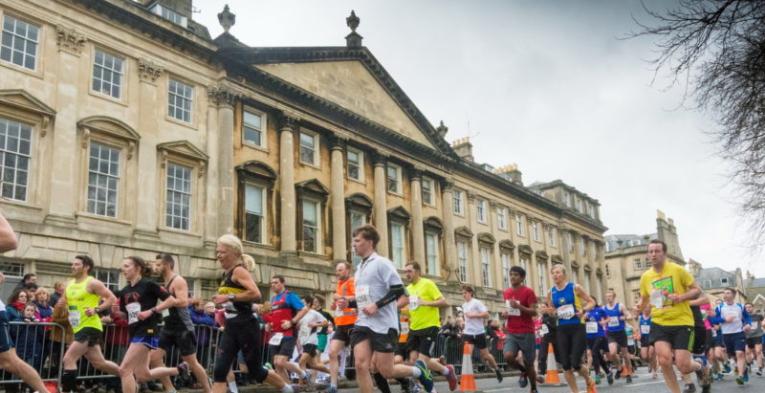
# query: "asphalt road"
[[642, 383]]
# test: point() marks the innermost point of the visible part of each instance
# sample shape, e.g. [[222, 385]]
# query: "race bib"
[[132, 312], [512, 311], [714, 332], [338, 311], [362, 296], [229, 311], [630, 341], [543, 330], [404, 327], [414, 302], [591, 327], [613, 322], [74, 319], [566, 311], [657, 298], [165, 313], [645, 329], [276, 339], [730, 313]]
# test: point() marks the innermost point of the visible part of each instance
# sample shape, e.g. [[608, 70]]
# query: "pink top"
[[705, 310]]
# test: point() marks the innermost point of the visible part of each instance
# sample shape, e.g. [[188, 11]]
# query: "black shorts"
[[6, 342], [479, 340], [285, 348], [700, 340], [752, 341], [311, 350], [620, 338], [343, 333], [679, 337], [90, 336], [184, 340], [644, 341], [383, 343], [422, 341]]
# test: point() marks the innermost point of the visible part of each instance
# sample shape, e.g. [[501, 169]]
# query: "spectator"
[[44, 314], [41, 301], [29, 282], [16, 304], [59, 336], [58, 291], [29, 338], [205, 323]]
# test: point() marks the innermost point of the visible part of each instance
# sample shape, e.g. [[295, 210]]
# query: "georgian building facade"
[[127, 130]]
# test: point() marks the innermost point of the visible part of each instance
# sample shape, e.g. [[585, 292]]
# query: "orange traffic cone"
[[467, 380], [552, 377]]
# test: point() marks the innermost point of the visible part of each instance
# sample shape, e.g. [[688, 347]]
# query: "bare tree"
[[717, 47]]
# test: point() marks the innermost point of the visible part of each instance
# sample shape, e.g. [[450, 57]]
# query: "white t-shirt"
[[373, 278], [474, 326], [307, 334], [737, 325], [2, 306]]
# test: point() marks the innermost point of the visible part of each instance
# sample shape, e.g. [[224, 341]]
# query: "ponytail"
[[141, 264]]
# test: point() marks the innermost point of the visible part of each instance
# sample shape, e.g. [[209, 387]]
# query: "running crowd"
[[390, 328]]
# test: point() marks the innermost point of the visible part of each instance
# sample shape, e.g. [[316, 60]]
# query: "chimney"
[[666, 231], [511, 173], [464, 149], [353, 40]]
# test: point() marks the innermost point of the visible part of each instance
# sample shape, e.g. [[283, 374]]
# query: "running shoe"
[[610, 377], [690, 388], [499, 375], [332, 389], [759, 372], [746, 374], [452, 378], [726, 369], [628, 379], [597, 379], [740, 380], [425, 378], [523, 380]]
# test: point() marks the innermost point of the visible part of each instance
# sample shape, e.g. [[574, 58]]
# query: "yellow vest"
[[78, 299]]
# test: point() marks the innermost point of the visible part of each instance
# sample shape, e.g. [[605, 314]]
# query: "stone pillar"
[[418, 232], [225, 98], [287, 184], [337, 197], [150, 110], [450, 245], [474, 268], [62, 196], [381, 209]]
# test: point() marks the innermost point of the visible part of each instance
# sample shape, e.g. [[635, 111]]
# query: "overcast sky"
[[546, 85]]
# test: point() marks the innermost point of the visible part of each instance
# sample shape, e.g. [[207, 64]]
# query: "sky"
[[556, 82]]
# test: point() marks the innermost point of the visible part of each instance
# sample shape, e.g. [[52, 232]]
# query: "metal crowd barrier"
[[35, 346]]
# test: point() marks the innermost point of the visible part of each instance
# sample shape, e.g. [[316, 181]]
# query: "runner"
[[9, 360], [81, 298], [308, 335], [286, 311], [735, 322], [617, 338], [548, 331], [668, 287], [597, 342], [378, 286], [236, 293], [475, 334], [425, 321], [754, 339], [567, 298], [345, 317], [520, 309], [647, 352], [138, 301], [700, 345], [178, 330]]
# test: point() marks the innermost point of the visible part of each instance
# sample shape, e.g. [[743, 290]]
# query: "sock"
[[232, 387], [521, 368], [416, 372], [445, 372], [69, 380], [382, 383], [287, 389]]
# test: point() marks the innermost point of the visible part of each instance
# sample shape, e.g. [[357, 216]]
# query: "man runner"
[[735, 323], [178, 330], [9, 361], [520, 309], [754, 339], [85, 297], [286, 311], [668, 288], [475, 313], [617, 338], [378, 286], [345, 318], [425, 321]]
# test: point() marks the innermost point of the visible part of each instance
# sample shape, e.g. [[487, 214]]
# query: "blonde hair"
[[234, 244], [39, 292], [559, 266]]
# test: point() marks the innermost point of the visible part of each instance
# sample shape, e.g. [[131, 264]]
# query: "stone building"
[[626, 258], [714, 280], [128, 130]]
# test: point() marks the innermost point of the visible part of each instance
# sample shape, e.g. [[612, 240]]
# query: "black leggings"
[[547, 339], [571, 341], [598, 346], [240, 336]]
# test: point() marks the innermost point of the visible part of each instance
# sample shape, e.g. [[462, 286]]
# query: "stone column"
[[381, 209], [337, 197], [474, 268], [150, 110], [287, 183], [225, 98], [450, 245], [418, 234]]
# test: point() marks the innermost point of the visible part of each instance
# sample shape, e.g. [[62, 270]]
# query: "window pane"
[[254, 200], [19, 42]]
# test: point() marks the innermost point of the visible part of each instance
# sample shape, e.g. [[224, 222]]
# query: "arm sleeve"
[[393, 294], [434, 291], [745, 316]]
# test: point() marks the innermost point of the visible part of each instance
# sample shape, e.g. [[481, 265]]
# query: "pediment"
[[312, 186], [257, 169], [109, 125], [507, 244], [22, 100], [359, 200], [433, 223], [542, 255], [350, 84], [525, 249], [464, 232], [399, 213], [183, 148], [486, 237]]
